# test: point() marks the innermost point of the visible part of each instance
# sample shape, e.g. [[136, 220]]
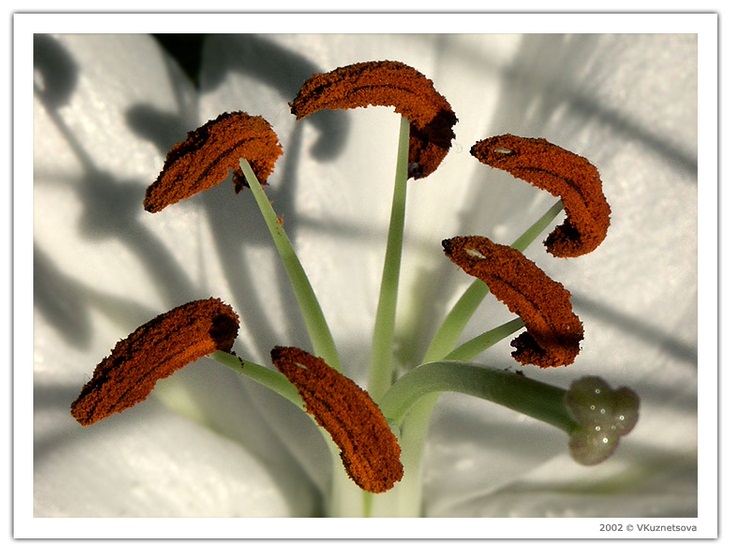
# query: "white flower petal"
[[104, 266], [637, 293], [154, 464]]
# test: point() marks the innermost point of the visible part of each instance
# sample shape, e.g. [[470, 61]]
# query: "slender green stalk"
[[538, 400], [470, 349], [534, 231], [317, 328], [415, 425], [381, 360], [414, 429], [266, 377], [453, 325], [590, 412], [410, 401], [346, 500]]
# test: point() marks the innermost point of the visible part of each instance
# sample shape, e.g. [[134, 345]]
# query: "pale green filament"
[[266, 377], [317, 328], [534, 231], [414, 426], [381, 360], [480, 343]]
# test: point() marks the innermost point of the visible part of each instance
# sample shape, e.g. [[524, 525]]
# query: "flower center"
[[359, 422]]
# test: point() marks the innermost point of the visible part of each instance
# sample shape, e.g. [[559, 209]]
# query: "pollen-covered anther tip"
[[553, 331], [603, 416], [152, 352], [387, 83], [563, 174], [209, 153], [368, 448]]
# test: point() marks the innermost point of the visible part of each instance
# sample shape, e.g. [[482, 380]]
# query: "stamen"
[[152, 352], [562, 173], [553, 332], [387, 83], [370, 452], [204, 159]]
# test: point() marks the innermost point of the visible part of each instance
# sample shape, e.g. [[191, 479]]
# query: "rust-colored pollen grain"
[[553, 331], [205, 158], [369, 450], [387, 83], [563, 174], [152, 352]]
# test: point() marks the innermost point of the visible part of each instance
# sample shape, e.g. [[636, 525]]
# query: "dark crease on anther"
[[387, 83], [209, 153], [152, 352], [369, 451], [553, 331], [562, 173], [535, 305], [213, 165]]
